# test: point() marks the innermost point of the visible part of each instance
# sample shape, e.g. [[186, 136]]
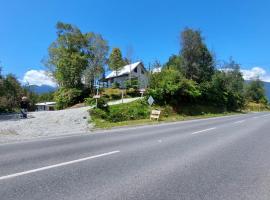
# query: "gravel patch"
[[48, 123], [44, 123]]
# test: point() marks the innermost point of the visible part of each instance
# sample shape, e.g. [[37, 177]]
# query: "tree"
[[255, 91], [74, 55], [225, 90], [198, 63], [116, 61], [175, 62], [12, 92], [170, 87], [97, 50]]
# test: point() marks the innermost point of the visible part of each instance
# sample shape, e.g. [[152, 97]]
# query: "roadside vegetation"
[[189, 84]]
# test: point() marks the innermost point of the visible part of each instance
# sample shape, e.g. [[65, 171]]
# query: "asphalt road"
[[219, 158]]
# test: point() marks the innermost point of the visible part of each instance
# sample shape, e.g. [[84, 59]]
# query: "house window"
[[135, 70], [142, 71]]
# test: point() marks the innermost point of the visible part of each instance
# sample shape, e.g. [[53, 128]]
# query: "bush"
[[102, 102], [66, 97], [98, 113], [112, 93], [170, 87], [123, 112], [133, 92], [115, 85], [90, 101], [133, 83], [130, 111]]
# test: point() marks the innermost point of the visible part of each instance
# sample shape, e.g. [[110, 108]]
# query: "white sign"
[[150, 100], [96, 96]]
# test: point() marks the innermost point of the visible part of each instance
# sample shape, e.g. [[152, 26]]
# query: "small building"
[[45, 106], [133, 71]]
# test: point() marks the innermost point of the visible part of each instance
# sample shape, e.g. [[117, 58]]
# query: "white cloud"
[[38, 77], [256, 72]]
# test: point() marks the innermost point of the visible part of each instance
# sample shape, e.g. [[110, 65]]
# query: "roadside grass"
[[104, 124]]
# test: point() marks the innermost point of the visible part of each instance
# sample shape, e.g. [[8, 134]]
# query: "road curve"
[[217, 158]]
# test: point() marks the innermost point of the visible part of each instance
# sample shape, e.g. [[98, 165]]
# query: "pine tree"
[[116, 61]]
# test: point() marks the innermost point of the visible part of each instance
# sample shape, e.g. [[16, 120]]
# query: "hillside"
[[41, 89], [267, 89]]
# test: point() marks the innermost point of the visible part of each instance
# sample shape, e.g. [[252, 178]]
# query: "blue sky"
[[231, 28]]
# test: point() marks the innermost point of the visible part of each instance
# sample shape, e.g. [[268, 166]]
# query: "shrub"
[[133, 83], [102, 102], [123, 112], [133, 92], [112, 93], [66, 97], [115, 85], [170, 87], [90, 101], [98, 113], [130, 111]]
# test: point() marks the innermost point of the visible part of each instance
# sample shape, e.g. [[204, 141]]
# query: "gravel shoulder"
[[47, 123]]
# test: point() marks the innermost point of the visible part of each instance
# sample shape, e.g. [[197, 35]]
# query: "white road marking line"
[[239, 122], [56, 165], [255, 117], [209, 129], [266, 115]]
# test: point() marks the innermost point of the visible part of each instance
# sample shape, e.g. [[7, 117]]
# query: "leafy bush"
[[123, 112], [102, 102], [112, 93], [98, 113], [66, 97], [133, 92], [115, 85], [170, 87], [90, 101], [133, 83]]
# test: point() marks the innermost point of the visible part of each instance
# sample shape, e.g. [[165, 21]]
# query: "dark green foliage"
[[170, 87], [102, 103], [116, 62], [225, 89], [112, 93], [123, 112], [133, 92], [133, 83], [10, 93], [175, 62], [116, 85], [90, 101], [198, 63], [255, 92], [66, 97], [76, 56]]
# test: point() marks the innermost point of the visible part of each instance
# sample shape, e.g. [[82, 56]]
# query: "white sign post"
[[142, 91]]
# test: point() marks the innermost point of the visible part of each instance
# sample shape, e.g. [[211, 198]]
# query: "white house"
[[133, 71], [46, 106]]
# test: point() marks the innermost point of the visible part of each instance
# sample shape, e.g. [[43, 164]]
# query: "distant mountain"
[[267, 89], [41, 89]]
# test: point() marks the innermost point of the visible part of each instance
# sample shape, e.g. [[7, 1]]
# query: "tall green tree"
[[75, 54], [255, 91], [11, 93], [198, 63], [97, 50], [116, 62], [225, 90], [175, 62]]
